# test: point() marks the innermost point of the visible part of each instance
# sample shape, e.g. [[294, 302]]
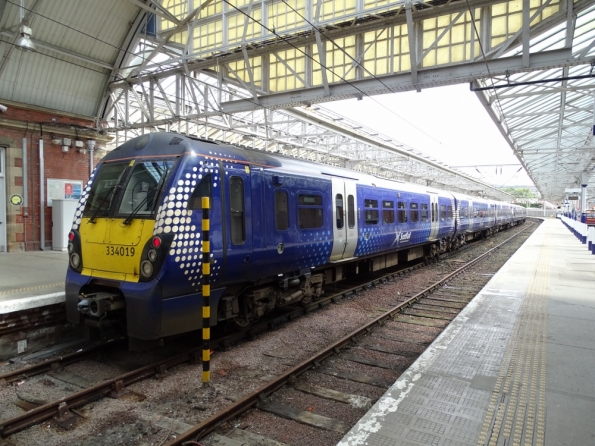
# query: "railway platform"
[[31, 279], [514, 368]]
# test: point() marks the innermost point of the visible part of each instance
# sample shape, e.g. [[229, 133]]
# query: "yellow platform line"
[[516, 414], [32, 288]]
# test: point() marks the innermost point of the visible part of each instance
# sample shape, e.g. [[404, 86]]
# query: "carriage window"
[[402, 212], [236, 210], [449, 212], [442, 212], [414, 212], [203, 189], [309, 211], [339, 211], [388, 212], [350, 211], [281, 211], [371, 215], [424, 212]]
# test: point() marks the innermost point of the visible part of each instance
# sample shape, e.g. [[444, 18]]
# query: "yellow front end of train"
[[112, 249]]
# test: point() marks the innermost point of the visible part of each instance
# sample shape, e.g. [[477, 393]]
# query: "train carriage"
[[281, 229]]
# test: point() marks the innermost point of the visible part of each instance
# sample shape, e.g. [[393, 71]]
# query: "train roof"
[[161, 144]]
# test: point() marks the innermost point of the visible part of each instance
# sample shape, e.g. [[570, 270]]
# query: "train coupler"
[[99, 304]]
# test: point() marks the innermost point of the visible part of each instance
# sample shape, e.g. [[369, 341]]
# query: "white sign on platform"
[[58, 189]]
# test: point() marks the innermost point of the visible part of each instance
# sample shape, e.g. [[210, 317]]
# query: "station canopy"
[[257, 73]]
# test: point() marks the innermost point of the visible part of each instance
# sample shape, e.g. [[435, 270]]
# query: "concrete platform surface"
[[515, 368], [31, 274]]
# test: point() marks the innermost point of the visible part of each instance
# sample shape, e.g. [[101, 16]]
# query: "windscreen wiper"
[[107, 196], [154, 192]]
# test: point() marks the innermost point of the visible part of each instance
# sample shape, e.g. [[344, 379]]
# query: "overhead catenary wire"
[[330, 70], [363, 93]]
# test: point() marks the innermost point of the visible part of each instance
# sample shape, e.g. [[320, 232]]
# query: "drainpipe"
[[25, 185], [91, 145], [25, 192], [41, 195]]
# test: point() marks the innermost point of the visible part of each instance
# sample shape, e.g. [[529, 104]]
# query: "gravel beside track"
[[161, 407]]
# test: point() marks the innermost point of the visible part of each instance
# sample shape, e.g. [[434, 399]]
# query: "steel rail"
[[118, 383], [52, 364], [209, 425]]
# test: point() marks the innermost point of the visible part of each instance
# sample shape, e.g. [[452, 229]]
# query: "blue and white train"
[[281, 230]]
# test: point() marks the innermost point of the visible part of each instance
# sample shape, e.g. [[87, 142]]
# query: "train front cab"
[[112, 259]]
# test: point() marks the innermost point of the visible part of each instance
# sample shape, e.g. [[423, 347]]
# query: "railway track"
[[435, 306], [419, 309]]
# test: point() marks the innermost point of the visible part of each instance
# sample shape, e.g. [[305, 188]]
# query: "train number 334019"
[[122, 251]]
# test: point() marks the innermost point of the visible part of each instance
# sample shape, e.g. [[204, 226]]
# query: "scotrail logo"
[[404, 237]]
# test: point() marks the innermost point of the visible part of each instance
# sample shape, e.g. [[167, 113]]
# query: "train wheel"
[[241, 323]]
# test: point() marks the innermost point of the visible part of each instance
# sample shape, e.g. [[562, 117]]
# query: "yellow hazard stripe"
[[206, 377], [206, 312], [206, 355], [206, 204], [206, 290], [206, 224], [206, 246], [206, 333]]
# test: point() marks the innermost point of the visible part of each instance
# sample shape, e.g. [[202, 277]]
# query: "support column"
[[584, 181]]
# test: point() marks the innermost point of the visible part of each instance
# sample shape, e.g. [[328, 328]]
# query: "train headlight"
[[146, 268], [75, 260], [75, 253], [152, 255]]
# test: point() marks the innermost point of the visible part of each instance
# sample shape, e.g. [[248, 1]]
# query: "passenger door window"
[[281, 211], [236, 210], [350, 211], [339, 211]]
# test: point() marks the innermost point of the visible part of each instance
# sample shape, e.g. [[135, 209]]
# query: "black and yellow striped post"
[[206, 293]]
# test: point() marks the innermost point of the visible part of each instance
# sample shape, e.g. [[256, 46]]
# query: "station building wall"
[[23, 224]]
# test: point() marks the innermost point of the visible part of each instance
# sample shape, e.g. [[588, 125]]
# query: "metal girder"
[[403, 82], [231, 90]]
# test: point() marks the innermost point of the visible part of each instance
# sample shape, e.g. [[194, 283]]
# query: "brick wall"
[[24, 223]]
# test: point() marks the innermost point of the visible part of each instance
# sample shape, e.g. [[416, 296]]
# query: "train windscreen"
[[127, 190]]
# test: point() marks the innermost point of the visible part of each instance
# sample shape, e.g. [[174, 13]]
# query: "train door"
[[344, 221], [2, 201], [434, 216], [239, 224]]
